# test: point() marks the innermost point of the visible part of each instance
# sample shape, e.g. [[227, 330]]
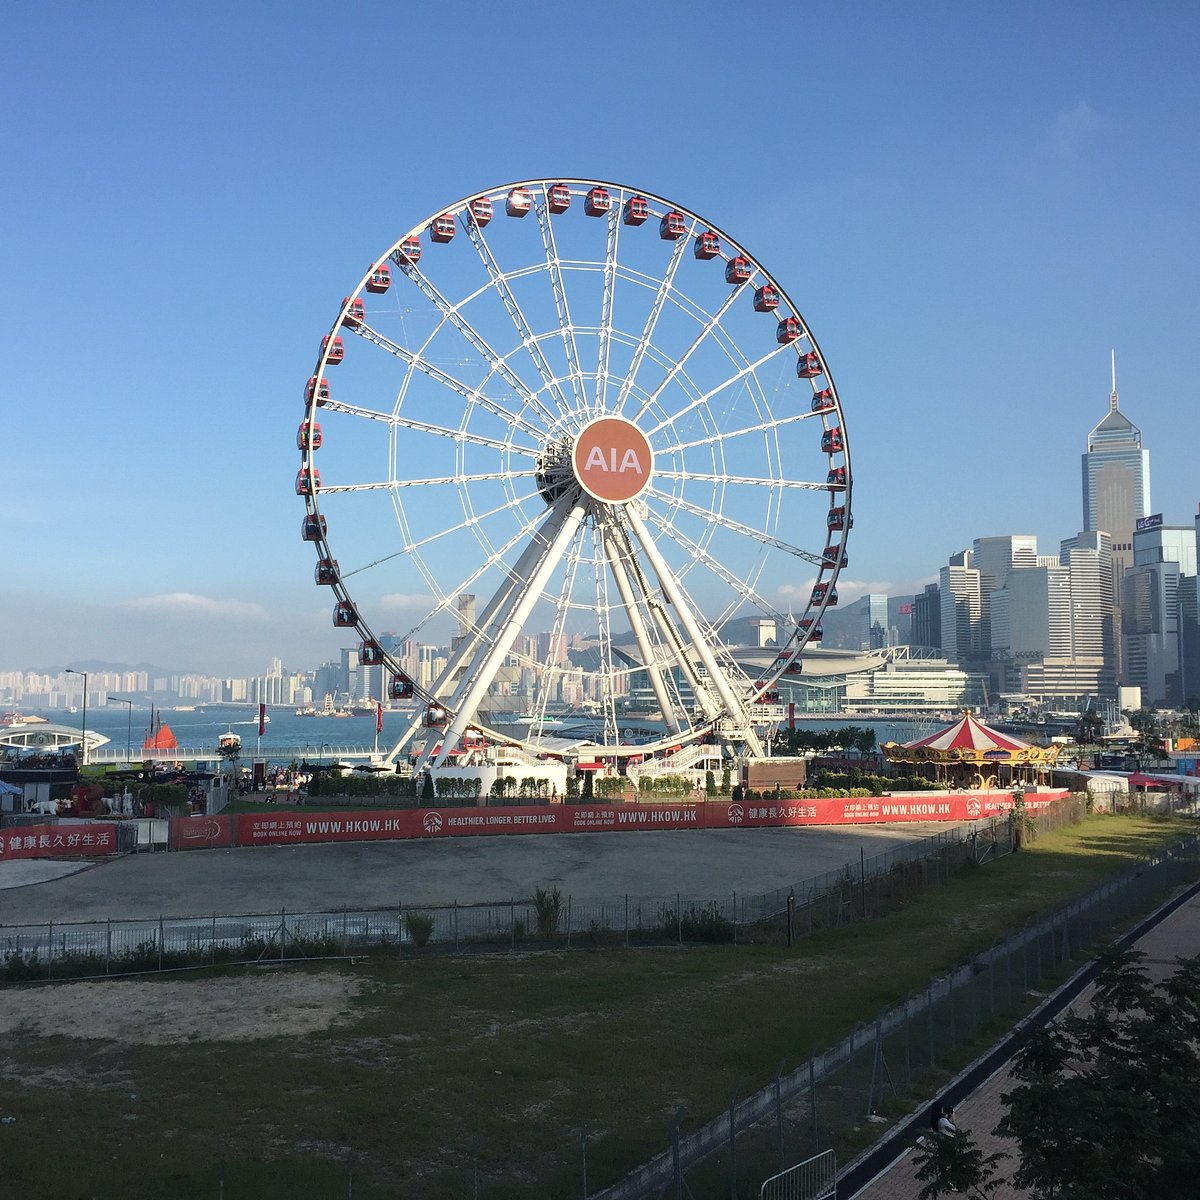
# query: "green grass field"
[[510, 1053]]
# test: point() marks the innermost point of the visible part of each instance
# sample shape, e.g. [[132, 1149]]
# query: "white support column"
[[733, 705], [478, 679]]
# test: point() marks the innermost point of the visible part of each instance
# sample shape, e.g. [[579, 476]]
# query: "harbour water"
[[288, 736]]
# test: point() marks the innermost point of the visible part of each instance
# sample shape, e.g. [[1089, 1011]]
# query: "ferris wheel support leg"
[[666, 628], [733, 705], [479, 678], [516, 578], [641, 636]]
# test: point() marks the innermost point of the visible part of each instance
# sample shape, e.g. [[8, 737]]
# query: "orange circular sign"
[[612, 459]]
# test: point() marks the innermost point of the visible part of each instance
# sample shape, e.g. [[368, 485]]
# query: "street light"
[[83, 733], [128, 727]]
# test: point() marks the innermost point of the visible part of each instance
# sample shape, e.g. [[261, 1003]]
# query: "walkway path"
[[1177, 936]]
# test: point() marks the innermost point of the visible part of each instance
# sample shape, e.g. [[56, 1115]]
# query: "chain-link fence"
[[840, 1099]]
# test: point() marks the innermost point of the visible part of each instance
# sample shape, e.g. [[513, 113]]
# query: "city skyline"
[[968, 240]]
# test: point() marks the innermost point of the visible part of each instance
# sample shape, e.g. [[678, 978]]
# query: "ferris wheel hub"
[[612, 460]]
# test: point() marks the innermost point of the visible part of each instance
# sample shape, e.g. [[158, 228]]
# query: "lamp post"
[[128, 726], [83, 732]]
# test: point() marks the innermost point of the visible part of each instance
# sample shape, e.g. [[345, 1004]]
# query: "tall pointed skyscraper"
[[1116, 481]]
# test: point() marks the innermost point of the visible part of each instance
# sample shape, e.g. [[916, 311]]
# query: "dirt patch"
[[164, 1012]]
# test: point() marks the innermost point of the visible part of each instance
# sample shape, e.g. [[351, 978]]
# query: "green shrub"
[[419, 927], [548, 903]]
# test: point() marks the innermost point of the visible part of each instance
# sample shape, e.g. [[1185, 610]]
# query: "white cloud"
[[851, 589], [1072, 128], [403, 601], [173, 604]]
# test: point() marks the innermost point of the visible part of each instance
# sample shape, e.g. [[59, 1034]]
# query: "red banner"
[[262, 719], [269, 829], [59, 841], [200, 833]]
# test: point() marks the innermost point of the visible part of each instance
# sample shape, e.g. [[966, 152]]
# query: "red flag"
[[378, 716], [262, 719]]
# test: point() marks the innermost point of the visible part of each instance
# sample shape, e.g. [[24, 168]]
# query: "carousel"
[[973, 756]]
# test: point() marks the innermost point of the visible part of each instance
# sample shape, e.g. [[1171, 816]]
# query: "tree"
[[1105, 1106]]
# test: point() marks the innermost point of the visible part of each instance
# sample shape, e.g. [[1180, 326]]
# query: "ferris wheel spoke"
[[430, 481], [665, 287], [558, 286], [517, 316], [724, 437], [474, 394], [445, 431], [734, 526], [480, 675], [750, 368], [751, 480], [491, 356], [604, 612], [607, 308], [678, 365], [714, 564]]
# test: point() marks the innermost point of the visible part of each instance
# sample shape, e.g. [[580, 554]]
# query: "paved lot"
[[694, 862]]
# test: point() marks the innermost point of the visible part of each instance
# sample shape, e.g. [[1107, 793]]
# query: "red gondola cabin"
[[836, 478], [519, 202], [771, 697], [766, 298], [830, 557], [637, 209], [808, 366], [820, 591], [788, 330], [314, 527], [400, 687], [344, 616], [837, 518], [322, 389], [336, 348], [355, 311], [308, 482], [707, 245], [441, 229], [326, 573], [822, 401], [479, 211], [558, 198], [409, 251], [737, 269], [308, 436], [436, 717], [782, 663], [380, 279], [815, 632], [672, 227], [370, 654], [832, 442], [597, 202]]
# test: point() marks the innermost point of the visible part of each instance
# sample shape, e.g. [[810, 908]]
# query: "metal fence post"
[[779, 1108], [812, 1096], [161, 938], [583, 1158], [282, 930], [512, 928], [679, 917], [50, 950], [456, 924], [345, 931], [735, 918], [929, 1015], [568, 921], [732, 1146], [212, 942], [626, 920], [107, 944]]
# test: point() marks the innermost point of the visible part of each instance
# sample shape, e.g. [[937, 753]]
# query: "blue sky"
[[970, 206]]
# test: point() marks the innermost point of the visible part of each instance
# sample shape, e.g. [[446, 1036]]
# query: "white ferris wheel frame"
[[675, 643]]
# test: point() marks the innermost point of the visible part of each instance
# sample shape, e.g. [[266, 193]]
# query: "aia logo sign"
[[432, 822], [736, 814], [612, 459], [974, 808]]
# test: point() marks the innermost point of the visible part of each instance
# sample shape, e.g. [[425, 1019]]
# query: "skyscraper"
[[1116, 481]]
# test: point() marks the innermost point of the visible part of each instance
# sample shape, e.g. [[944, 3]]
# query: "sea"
[[317, 738]]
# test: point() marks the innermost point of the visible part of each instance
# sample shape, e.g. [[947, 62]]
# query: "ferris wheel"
[[577, 443]]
